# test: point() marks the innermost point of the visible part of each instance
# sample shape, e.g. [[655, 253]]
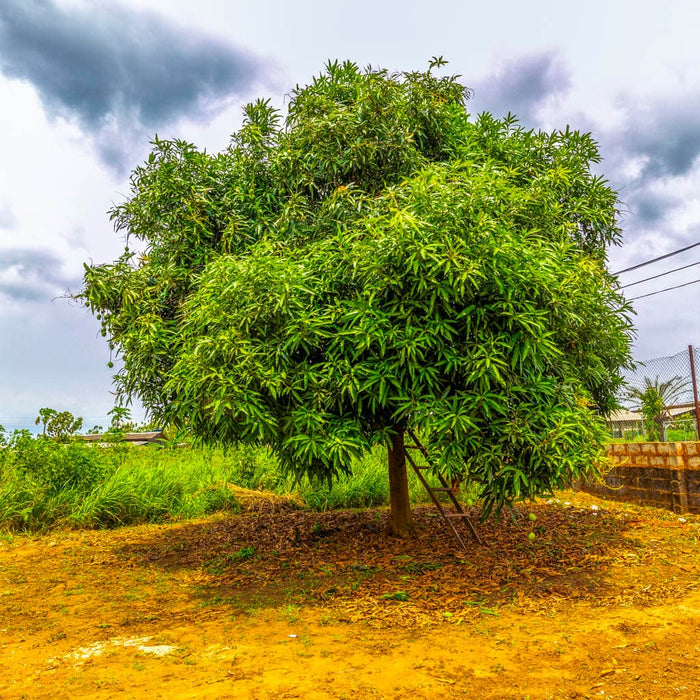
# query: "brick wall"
[[663, 474]]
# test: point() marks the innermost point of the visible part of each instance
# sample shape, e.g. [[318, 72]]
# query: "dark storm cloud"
[[522, 86], [644, 203], [32, 275], [666, 135], [116, 69], [658, 143], [648, 207]]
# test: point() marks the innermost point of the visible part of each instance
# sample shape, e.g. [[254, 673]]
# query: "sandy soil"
[[605, 603]]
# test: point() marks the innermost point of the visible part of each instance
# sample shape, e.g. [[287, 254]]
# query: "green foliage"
[[242, 554], [682, 428], [45, 415], [60, 425], [652, 406], [654, 397], [376, 261], [120, 419], [44, 484], [53, 465]]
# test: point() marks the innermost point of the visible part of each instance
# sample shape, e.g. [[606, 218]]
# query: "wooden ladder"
[[444, 487]]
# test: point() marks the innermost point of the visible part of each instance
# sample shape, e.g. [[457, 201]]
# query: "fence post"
[[695, 390]]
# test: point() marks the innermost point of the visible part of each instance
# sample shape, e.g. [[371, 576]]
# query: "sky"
[[85, 85]]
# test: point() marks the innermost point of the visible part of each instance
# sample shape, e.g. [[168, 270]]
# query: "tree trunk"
[[661, 421], [401, 523]]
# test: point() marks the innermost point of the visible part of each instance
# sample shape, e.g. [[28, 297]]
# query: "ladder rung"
[[440, 489]]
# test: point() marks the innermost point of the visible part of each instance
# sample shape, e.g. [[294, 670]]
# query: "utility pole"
[[695, 390]]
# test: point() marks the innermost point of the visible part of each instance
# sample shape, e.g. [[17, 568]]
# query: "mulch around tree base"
[[344, 561]]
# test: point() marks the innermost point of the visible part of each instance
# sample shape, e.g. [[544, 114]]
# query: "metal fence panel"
[[670, 379]]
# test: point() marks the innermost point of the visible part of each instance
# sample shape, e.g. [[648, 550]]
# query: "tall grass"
[[45, 484]]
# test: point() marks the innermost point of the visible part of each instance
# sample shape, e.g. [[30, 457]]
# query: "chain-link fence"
[[658, 400]]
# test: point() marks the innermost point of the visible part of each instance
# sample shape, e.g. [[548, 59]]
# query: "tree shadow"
[[257, 560]]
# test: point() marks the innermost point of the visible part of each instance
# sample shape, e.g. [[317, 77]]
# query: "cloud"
[[649, 207], [652, 157], [664, 135], [32, 275], [522, 86], [7, 218], [119, 72], [53, 355]]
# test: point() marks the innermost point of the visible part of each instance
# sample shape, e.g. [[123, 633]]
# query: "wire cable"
[[663, 274], [661, 257], [668, 289]]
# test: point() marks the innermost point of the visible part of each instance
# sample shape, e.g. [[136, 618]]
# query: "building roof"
[[136, 438], [624, 416]]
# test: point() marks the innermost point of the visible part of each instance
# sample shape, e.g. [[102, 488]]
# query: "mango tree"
[[374, 262]]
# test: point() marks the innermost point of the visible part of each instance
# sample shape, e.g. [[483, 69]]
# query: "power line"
[[663, 274], [661, 257], [668, 289]]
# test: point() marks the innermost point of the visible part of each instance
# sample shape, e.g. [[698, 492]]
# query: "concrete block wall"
[[662, 474]]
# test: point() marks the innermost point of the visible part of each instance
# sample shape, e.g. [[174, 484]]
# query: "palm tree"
[[654, 397]]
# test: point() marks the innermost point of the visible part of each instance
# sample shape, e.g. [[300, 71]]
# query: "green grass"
[[86, 486], [682, 433], [45, 484]]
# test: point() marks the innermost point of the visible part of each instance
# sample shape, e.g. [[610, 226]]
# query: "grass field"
[[45, 484]]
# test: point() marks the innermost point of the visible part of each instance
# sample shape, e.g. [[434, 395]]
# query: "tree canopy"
[[373, 262]]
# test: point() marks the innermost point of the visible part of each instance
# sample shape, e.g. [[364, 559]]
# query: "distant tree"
[[654, 397], [374, 263], [120, 419], [45, 415], [59, 425], [652, 410]]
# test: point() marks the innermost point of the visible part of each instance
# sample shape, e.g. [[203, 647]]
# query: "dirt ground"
[[278, 603]]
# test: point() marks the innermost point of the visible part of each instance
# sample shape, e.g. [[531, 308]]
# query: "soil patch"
[[277, 602]]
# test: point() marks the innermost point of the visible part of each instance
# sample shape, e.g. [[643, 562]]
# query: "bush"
[[45, 484], [57, 466]]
